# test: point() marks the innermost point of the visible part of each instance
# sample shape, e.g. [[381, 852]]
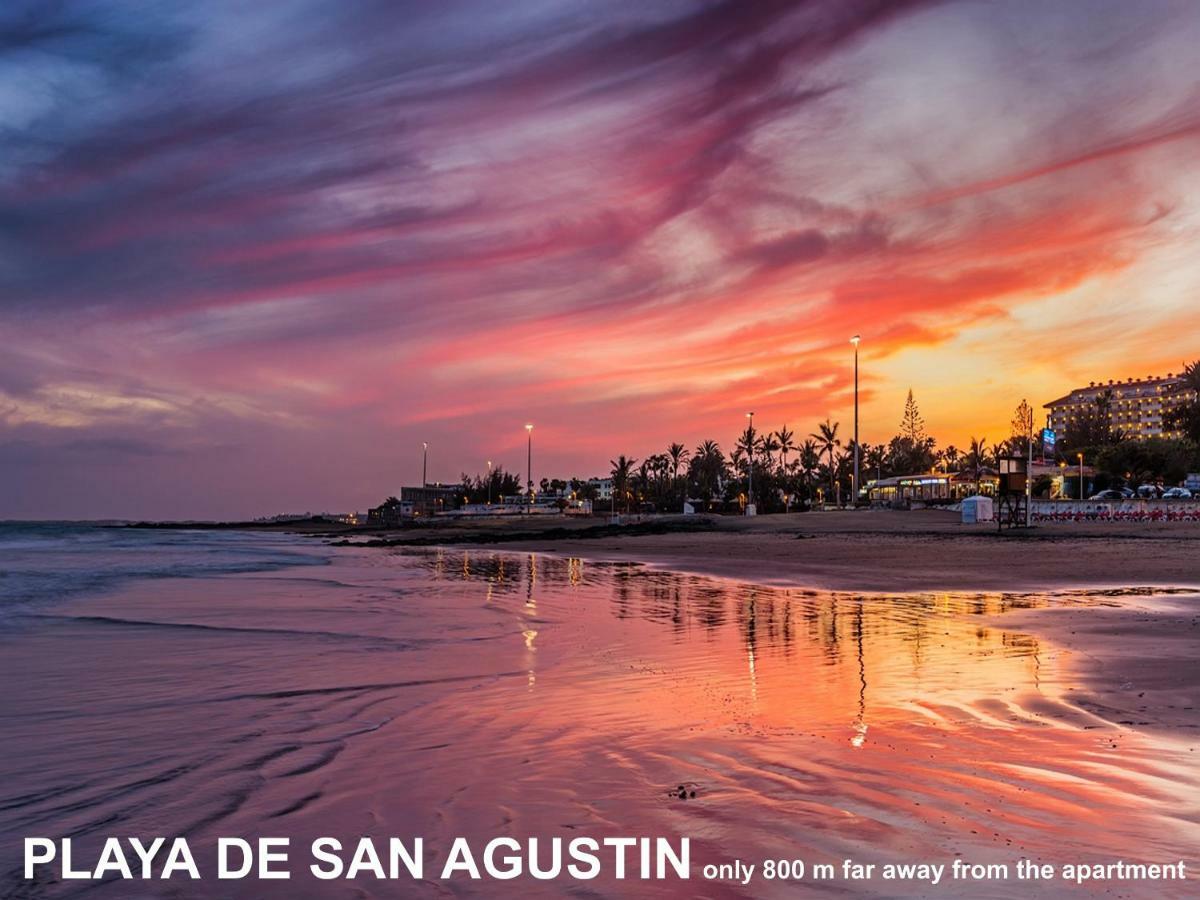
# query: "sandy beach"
[[926, 550], [252, 683], [1141, 653]]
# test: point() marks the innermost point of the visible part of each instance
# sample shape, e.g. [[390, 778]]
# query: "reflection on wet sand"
[[449, 693], [823, 724]]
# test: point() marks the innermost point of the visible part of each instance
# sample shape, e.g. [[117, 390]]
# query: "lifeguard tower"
[[1012, 493]]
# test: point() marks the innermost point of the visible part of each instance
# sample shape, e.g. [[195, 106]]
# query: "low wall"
[[1122, 510]]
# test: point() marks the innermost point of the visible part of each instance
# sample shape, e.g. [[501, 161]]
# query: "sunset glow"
[[252, 267]]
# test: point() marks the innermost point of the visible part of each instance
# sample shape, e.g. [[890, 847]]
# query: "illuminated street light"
[[1080, 455], [854, 340], [424, 464], [529, 467], [750, 469], [489, 462]]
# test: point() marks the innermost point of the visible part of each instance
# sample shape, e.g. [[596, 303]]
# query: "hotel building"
[[1136, 407]]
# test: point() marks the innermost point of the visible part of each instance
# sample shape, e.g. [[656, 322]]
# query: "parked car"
[[1110, 494], [1127, 492], [1177, 493], [1148, 491]]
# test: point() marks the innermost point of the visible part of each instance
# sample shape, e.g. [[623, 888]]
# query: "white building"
[[1136, 408], [603, 487]]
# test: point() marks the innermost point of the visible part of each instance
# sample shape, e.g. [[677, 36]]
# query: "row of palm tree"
[[785, 471], [781, 466]]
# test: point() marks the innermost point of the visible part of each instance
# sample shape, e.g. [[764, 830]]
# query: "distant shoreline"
[[881, 551], [869, 550]]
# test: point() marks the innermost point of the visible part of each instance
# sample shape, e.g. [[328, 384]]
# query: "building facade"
[[602, 486], [429, 500], [931, 487], [1135, 407]]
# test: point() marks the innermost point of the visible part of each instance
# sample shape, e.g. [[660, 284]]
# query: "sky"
[[252, 256]]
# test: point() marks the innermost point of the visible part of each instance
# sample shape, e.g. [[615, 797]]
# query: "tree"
[[748, 445], [748, 442], [708, 470], [978, 459], [496, 484], [786, 441], [769, 446], [810, 459], [584, 490], [1184, 416], [678, 455], [950, 457], [1093, 428], [875, 458], [1022, 429], [911, 450], [912, 426], [1150, 460], [622, 468], [827, 440]]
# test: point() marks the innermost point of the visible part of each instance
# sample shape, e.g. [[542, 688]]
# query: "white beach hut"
[[977, 509]]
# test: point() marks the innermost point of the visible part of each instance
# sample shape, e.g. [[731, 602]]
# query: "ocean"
[[42, 563]]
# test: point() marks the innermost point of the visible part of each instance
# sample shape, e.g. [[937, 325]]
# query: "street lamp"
[[1080, 455], [489, 482], [854, 340], [529, 466], [424, 464], [750, 469]]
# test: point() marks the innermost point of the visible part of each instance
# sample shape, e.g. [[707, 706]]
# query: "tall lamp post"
[[854, 340], [1080, 455], [424, 464], [1029, 477], [529, 466], [489, 482], [750, 468]]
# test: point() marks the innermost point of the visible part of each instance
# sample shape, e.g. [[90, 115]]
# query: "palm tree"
[[810, 459], [660, 470], [622, 468], [950, 456], [736, 459], [748, 441], [650, 475], [769, 446], [1184, 415], [827, 439], [708, 468], [977, 459], [876, 457], [787, 443], [678, 455], [843, 467]]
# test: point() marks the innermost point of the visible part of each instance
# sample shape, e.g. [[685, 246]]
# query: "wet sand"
[[442, 693], [883, 550], [1142, 656], [1139, 660]]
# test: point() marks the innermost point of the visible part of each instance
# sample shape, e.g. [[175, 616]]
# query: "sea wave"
[[44, 562]]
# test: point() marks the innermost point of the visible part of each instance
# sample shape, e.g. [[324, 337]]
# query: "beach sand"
[[926, 550], [489, 690], [1141, 655]]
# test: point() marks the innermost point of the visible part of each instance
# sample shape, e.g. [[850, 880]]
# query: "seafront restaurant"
[[948, 487], [428, 500]]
